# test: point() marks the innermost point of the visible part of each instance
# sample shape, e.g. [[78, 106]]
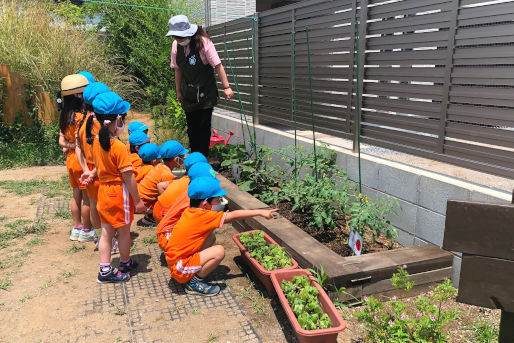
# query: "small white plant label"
[[355, 242], [235, 171]]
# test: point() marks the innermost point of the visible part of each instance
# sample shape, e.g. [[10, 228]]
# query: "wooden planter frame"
[[361, 275]]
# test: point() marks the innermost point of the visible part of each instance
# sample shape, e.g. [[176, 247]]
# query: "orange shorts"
[[115, 205], [162, 239], [74, 171], [159, 212], [92, 187], [184, 269]]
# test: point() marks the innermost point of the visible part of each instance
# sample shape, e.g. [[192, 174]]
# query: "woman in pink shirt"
[[194, 58]]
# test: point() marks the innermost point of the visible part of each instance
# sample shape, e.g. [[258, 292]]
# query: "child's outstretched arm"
[[243, 214]]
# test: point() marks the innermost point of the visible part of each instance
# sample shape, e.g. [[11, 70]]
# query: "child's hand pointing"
[[268, 214]]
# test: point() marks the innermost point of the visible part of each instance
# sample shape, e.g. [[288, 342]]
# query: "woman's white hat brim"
[[180, 26]]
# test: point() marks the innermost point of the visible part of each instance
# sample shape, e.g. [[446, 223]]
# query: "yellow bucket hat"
[[73, 84]]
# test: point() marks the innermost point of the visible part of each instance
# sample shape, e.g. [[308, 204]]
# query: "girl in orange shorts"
[[117, 193], [72, 113]]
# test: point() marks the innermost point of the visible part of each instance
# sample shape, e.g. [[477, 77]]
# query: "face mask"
[[218, 207], [119, 129], [185, 42]]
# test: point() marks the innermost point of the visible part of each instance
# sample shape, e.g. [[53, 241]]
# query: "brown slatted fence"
[[435, 77]]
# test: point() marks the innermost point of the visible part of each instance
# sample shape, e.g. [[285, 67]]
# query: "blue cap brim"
[[185, 151], [124, 106], [220, 193]]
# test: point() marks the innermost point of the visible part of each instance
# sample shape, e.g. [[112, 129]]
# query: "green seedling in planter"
[[269, 256], [303, 299]]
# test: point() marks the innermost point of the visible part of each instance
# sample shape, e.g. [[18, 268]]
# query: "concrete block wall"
[[421, 193]]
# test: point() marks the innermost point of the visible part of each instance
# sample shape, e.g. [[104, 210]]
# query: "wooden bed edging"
[[361, 275]]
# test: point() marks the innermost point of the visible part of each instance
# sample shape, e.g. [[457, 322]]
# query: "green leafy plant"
[[367, 215], [4, 284], [393, 321], [484, 332], [319, 275], [170, 120], [269, 256], [303, 299]]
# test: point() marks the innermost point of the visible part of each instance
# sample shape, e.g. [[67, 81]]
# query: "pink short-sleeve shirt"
[[208, 54]]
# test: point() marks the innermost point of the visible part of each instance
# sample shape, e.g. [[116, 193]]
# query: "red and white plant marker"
[[355, 242]]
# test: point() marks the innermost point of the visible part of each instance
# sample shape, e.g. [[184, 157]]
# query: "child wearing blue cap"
[[170, 204], [190, 253], [117, 193], [157, 180], [149, 154], [136, 140], [136, 126]]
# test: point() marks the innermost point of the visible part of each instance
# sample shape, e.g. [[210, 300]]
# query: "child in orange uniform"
[[72, 113], [149, 154], [84, 149], [136, 140], [117, 193], [177, 201], [190, 253], [157, 180], [136, 126]]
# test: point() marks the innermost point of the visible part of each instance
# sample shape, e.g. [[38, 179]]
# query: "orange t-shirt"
[[143, 171], [191, 231], [128, 147], [88, 148], [110, 164], [136, 161], [148, 186], [171, 193], [71, 131], [174, 213]]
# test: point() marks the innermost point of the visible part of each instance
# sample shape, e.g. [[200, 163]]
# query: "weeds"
[[49, 188], [25, 298], [120, 312], [35, 242], [150, 240], [63, 213], [319, 275], [212, 338], [195, 311], [23, 227], [4, 284], [75, 249], [484, 332], [257, 300]]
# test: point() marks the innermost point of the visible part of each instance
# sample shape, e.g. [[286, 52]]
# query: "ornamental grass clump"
[[394, 321], [269, 256], [303, 299]]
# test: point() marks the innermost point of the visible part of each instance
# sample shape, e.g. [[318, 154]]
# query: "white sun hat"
[[180, 27]]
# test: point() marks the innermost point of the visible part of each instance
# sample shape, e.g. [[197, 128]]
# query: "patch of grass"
[[257, 300], [66, 275], [48, 283], [63, 213], [75, 249], [23, 227], [120, 312], [150, 240], [484, 332], [4, 245], [25, 298], [212, 338], [133, 247], [3, 218], [34, 242], [23, 188], [195, 310], [145, 228], [4, 284]]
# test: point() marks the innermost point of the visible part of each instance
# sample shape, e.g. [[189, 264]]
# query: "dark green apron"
[[198, 87]]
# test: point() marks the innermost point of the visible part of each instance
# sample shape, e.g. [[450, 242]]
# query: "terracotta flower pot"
[[262, 274], [328, 335]]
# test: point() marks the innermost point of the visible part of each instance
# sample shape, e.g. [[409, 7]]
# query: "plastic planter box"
[[261, 273], [309, 336]]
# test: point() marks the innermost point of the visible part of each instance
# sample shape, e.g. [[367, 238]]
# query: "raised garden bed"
[[327, 335], [262, 274], [361, 275]]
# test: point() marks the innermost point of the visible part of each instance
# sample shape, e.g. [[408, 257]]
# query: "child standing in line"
[[157, 180], [72, 113], [175, 196], [84, 150], [136, 126], [149, 154], [190, 253], [117, 193]]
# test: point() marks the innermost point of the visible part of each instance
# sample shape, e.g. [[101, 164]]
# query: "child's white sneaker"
[[75, 233], [88, 236]]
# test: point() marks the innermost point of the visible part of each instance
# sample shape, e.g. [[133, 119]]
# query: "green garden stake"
[[312, 106], [293, 72], [251, 95]]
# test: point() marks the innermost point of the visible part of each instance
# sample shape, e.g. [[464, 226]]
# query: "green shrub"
[[138, 36], [44, 48], [170, 121]]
